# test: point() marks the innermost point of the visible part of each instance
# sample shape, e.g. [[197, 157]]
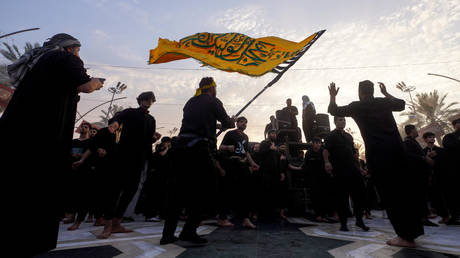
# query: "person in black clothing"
[[237, 163], [308, 118], [81, 196], [292, 110], [438, 175], [451, 143], [100, 152], [194, 163], [270, 126], [137, 133], [340, 160], [270, 175], [153, 200], [385, 157], [318, 180], [420, 164], [52, 78]]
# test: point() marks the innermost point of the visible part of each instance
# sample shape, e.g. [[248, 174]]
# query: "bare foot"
[[105, 233], [75, 226], [248, 224], [99, 222], [224, 223], [401, 242], [282, 214], [443, 220], [89, 219], [120, 229], [69, 218]]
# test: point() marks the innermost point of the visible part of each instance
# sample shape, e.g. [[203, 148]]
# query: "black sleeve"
[[264, 147], [395, 104], [121, 116], [343, 111], [227, 139], [74, 71], [222, 116], [327, 142]]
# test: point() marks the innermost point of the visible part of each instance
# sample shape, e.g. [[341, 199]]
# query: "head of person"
[[66, 42], [429, 138], [272, 118], [241, 123], [317, 143], [411, 131], [166, 141], [340, 122], [456, 124], [207, 86], [146, 99], [289, 102], [305, 99], [256, 147], [366, 90], [85, 127], [92, 131], [272, 135]]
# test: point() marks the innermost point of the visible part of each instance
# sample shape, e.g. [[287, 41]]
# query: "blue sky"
[[389, 41]]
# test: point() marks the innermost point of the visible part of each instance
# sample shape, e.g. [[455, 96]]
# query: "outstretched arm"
[[333, 109]]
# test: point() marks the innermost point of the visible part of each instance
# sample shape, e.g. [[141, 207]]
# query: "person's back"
[[200, 115], [378, 127], [386, 157]]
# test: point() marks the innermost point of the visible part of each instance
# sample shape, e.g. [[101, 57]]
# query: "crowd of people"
[[191, 177]]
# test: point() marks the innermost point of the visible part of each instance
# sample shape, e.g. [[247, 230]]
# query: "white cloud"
[[426, 32]]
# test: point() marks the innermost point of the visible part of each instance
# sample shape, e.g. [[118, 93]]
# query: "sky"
[[382, 41]]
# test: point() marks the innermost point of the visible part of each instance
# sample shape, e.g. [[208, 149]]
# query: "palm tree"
[[430, 108], [104, 119], [12, 53]]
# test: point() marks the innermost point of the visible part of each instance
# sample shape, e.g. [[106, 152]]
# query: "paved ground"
[[296, 237]]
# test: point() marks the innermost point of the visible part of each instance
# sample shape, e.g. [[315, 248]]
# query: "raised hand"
[[383, 88], [333, 91]]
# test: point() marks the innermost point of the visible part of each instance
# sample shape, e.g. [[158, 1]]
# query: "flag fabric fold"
[[232, 52]]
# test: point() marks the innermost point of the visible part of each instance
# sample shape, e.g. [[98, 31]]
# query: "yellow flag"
[[232, 52]]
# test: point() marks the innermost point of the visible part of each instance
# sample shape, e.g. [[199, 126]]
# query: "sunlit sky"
[[389, 41]]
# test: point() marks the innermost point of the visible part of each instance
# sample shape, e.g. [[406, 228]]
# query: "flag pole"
[[280, 70]]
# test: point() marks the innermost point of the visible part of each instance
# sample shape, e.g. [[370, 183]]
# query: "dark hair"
[[337, 118], [316, 139], [289, 99], [205, 81], [166, 139], [366, 88], [88, 124], [428, 134], [456, 121], [62, 39], [271, 131], [241, 118], [408, 128], [148, 95]]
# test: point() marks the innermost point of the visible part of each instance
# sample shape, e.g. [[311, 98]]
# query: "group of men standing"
[[125, 144]]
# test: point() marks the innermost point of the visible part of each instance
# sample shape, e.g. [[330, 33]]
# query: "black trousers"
[[194, 187], [394, 182], [321, 198], [124, 182], [349, 186]]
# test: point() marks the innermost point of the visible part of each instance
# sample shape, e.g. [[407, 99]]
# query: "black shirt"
[[451, 143], [200, 116], [137, 131], [239, 140], [378, 128], [342, 152]]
